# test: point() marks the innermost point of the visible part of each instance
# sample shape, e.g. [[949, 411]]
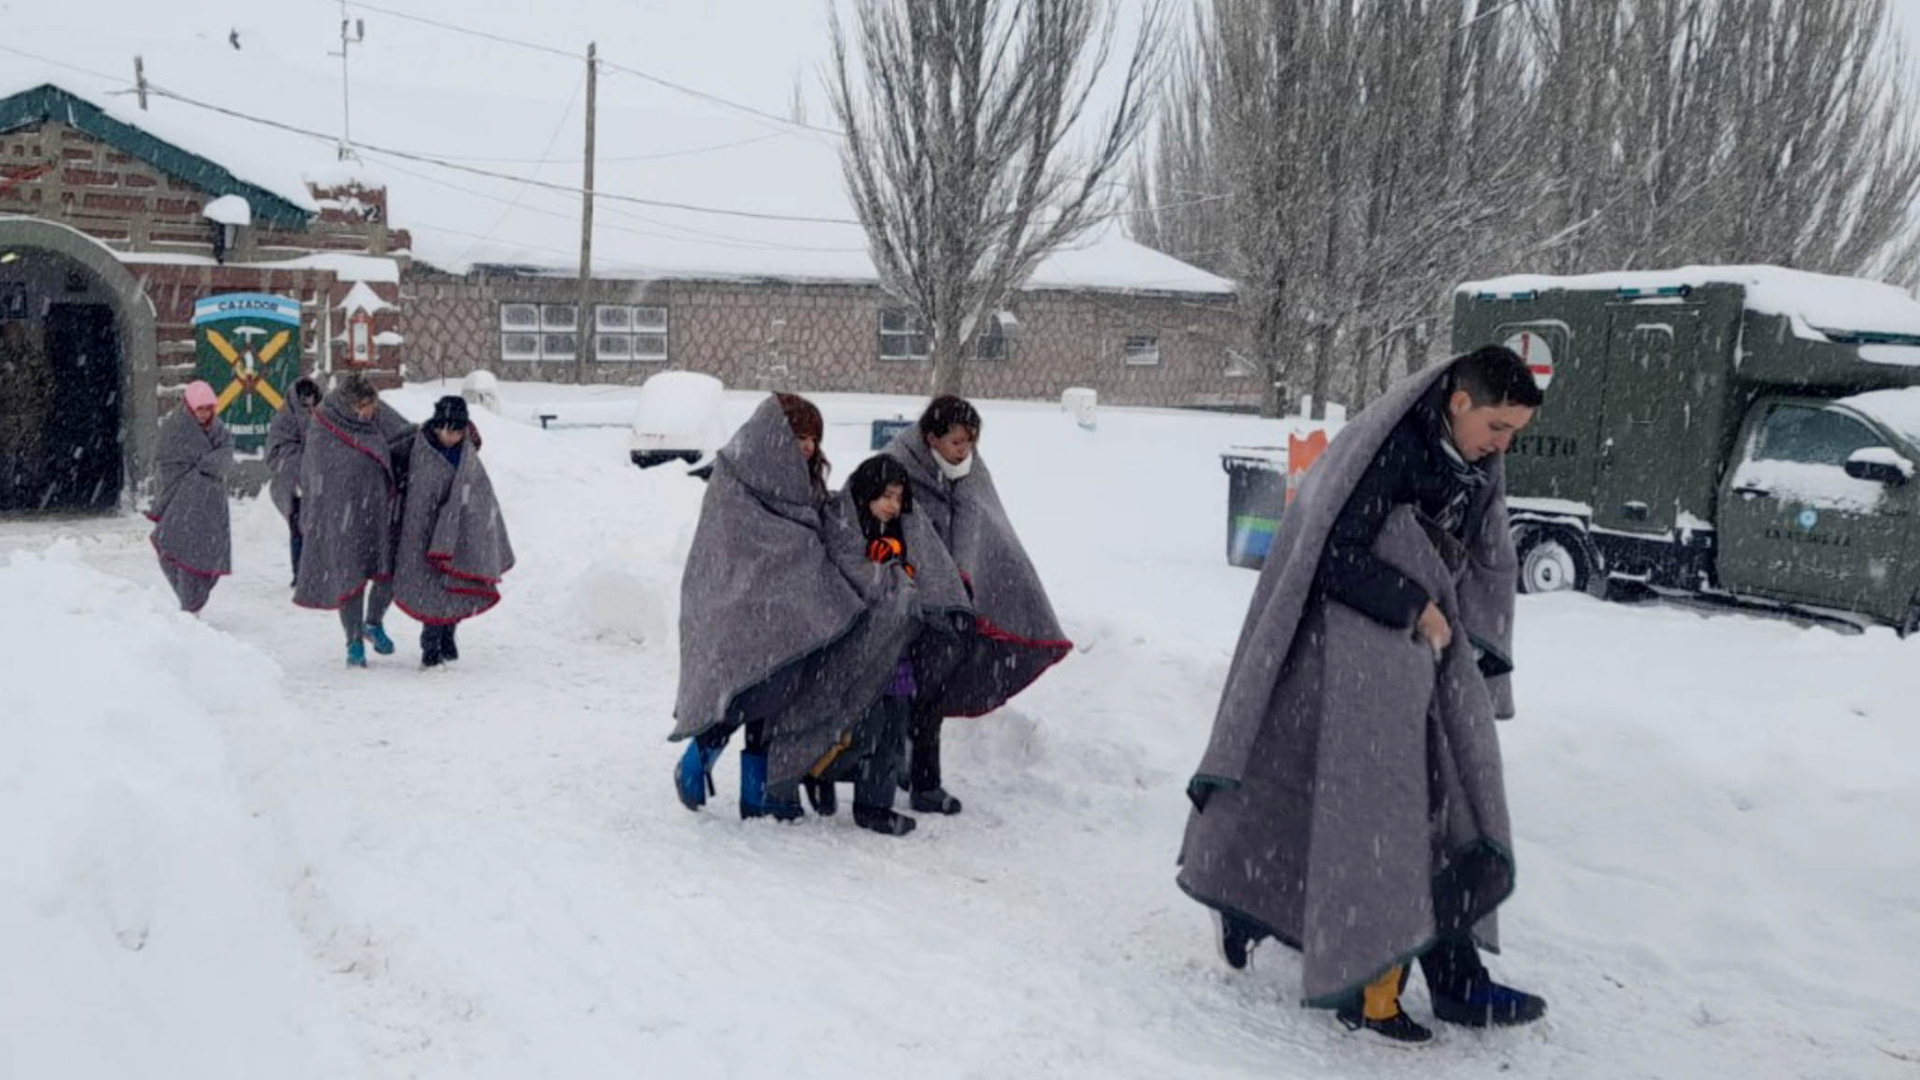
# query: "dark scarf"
[[1465, 480]]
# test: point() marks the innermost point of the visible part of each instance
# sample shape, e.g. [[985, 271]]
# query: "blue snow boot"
[[377, 634], [356, 654], [755, 800], [693, 776]]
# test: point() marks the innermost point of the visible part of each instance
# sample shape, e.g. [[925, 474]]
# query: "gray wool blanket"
[[1351, 801], [348, 502], [286, 437], [192, 528], [1016, 636], [453, 547], [772, 626]]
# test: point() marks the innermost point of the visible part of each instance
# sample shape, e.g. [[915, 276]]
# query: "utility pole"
[[358, 35], [140, 81], [583, 348]]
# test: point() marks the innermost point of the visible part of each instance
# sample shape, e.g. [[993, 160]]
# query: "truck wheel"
[[1550, 562], [1911, 628]]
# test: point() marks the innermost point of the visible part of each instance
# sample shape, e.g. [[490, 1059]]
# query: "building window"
[[1142, 350], [995, 340], [624, 332], [902, 336], [537, 332]]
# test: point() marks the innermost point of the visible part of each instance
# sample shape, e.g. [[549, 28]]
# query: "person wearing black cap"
[[453, 547]]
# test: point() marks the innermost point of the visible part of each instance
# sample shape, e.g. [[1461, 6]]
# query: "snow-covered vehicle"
[[1743, 431], [680, 417]]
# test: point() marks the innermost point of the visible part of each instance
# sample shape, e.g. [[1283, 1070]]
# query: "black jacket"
[[1412, 467]]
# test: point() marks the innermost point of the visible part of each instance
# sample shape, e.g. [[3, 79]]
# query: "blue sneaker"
[[356, 654], [756, 801], [693, 776], [1488, 1004], [382, 644]]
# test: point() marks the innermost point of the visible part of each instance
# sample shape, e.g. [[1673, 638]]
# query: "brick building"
[[1136, 348], [109, 236]]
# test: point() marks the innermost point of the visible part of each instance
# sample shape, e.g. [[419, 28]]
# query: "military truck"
[[1741, 432]]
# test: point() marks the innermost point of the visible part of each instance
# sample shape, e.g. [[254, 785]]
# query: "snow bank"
[[1823, 301], [147, 929]]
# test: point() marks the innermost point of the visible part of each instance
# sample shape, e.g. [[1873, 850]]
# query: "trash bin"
[[1256, 495], [885, 430]]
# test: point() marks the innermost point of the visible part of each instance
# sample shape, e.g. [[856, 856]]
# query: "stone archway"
[[104, 280]]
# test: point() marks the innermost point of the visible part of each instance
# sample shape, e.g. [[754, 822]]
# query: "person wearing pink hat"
[[192, 533]]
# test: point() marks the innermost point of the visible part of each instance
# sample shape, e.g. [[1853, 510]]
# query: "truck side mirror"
[[1881, 465]]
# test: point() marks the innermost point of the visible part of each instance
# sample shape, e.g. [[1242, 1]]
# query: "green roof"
[[50, 103]]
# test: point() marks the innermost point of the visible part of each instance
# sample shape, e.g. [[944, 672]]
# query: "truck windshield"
[[1811, 436]]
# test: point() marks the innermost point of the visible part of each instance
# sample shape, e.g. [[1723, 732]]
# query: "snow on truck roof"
[[1838, 308]]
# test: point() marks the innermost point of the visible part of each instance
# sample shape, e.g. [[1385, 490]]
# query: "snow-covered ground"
[[229, 856]]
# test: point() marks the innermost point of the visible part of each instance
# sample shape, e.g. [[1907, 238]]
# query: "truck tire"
[[1911, 627], [1551, 560]]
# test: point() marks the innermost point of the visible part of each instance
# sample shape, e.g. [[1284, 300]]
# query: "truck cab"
[[1743, 431]]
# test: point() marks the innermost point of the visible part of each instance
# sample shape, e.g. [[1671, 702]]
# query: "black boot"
[[826, 801], [882, 820], [1237, 939], [448, 649], [923, 767], [432, 652]]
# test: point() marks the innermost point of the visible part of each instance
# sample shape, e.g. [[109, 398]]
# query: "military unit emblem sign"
[[248, 349]]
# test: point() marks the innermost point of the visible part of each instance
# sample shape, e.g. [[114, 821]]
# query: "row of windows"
[[622, 332], [638, 333]]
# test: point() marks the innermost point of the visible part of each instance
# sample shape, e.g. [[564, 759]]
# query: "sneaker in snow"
[[1398, 1030], [377, 634]]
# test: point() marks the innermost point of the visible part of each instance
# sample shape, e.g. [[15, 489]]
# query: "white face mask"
[[954, 472]]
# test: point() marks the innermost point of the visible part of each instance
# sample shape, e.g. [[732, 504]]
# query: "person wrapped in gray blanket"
[[775, 636], [453, 547], [352, 478], [192, 532], [1351, 802]]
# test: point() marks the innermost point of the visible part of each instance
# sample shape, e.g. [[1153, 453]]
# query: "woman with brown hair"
[[774, 636]]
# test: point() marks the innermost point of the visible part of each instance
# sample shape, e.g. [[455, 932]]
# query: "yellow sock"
[[1381, 999]]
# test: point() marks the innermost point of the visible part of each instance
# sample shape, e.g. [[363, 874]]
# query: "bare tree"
[[1370, 154], [958, 153], [1374, 153]]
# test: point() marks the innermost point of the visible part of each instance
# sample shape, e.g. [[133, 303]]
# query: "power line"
[[501, 39], [692, 151], [717, 100], [469, 31], [552, 140], [118, 80], [406, 155], [720, 239]]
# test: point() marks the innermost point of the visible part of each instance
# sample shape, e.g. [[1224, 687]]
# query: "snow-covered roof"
[[1822, 302], [664, 157], [363, 298]]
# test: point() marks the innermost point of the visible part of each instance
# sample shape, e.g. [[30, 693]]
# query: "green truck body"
[[1748, 431]]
